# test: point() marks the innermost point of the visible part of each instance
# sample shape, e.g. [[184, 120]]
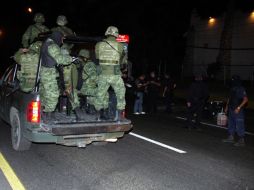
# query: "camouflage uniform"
[[89, 77], [34, 30], [109, 53], [66, 49], [61, 22], [28, 61], [51, 56]]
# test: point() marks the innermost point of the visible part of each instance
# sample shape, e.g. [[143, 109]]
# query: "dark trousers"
[[168, 102], [152, 98], [236, 123], [194, 113]]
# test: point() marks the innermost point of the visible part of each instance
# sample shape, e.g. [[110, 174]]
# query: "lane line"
[[10, 174], [213, 125], [158, 143]]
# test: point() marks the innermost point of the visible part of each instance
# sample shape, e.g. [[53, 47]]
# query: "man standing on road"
[[235, 108], [153, 90], [168, 92], [111, 55], [196, 98]]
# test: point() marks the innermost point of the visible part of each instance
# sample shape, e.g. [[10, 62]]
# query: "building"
[[210, 39]]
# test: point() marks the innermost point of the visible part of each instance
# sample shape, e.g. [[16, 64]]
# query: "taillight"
[[33, 112]]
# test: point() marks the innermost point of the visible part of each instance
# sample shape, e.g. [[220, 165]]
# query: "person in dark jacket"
[[153, 89], [197, 96], [235, 109], [168, 92], [140, 85]]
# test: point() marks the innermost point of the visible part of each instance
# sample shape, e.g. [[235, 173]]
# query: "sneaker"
[[240, 143], [136, 113], [230, 139], [142, 112]]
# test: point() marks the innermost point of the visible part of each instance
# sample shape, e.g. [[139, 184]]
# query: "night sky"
[[156, 28]]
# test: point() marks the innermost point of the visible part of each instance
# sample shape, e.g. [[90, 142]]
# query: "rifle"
[[60, 80]]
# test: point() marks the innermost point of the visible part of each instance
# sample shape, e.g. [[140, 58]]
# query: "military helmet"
[[84, 53], [39, 18], [61, 20], [36, 46], [112, 31]]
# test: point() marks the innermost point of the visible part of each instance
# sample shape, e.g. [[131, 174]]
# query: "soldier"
[[28, 60], [66, 49], [61, 22], [52, 56], [110, 54], [34, 30]]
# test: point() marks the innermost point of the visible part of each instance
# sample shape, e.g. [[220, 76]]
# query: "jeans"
[[236, 123], [138, 106]]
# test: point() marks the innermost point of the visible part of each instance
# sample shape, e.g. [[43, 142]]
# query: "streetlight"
[[29, 9], [211, 20]]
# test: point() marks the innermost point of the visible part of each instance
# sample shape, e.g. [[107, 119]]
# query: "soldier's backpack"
[[27, 74]]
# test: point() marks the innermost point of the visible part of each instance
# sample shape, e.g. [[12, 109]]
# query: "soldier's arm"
[[123, 60], [17, 56], [60, 58], [46, 29]]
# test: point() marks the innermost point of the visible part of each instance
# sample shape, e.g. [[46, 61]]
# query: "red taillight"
[[33, 112]]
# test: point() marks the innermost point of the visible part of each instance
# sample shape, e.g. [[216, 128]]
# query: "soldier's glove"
[[75, 60]]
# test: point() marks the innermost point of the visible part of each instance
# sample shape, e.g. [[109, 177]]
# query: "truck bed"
[[67, 125]]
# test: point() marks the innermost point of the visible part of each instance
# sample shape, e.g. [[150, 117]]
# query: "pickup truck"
[[22, 110]]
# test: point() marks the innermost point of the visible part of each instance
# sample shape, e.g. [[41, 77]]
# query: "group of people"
[[236, 102], [72, 77], [147, 90], [152, 88]]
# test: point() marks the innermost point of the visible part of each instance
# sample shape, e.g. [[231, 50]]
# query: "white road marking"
[[158, 143], [213, 125]]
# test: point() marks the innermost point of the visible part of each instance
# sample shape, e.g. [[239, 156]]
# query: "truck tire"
[[19, 142]]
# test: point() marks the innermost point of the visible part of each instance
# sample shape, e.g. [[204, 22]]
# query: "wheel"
[[19, 142]]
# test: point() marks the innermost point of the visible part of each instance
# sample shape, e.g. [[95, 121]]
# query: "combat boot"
[[103, 115], [119, 115], [240, 142], [230, 139], [79, 113], [90, 109]]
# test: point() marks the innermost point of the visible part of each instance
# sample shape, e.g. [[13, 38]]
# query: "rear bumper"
[[90, 128]]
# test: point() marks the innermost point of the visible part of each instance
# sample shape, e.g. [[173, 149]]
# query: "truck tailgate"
[[90, 127]]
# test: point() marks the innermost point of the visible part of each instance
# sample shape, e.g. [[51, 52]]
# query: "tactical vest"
[[109, 53], [27, 73], [109, 58], [46, 59]]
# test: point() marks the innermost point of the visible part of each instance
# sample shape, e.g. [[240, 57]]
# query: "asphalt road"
[[136, 164]]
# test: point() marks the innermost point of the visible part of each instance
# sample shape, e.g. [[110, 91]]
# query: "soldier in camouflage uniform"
[[110, 54], [89, 77], [51, 56], [66, 49], [61, 22], [34, 30], [28, 60]]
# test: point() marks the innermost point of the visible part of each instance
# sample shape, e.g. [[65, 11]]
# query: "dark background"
[[156, 28]]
